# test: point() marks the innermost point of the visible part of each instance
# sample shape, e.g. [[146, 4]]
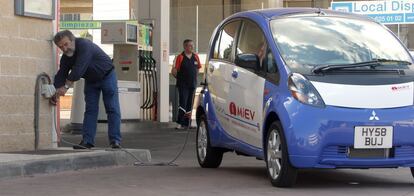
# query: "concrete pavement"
[[238, 175], [64, 158]]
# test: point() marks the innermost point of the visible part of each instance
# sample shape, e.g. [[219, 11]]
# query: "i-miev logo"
[[242, 112]]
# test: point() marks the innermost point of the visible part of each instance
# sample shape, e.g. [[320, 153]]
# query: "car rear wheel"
[[412, 171], [208, 156], [279, 169]]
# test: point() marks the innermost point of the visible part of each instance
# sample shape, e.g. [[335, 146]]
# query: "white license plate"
[[373, 137]]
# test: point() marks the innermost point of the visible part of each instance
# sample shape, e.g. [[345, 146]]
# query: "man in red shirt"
[[185, 69]]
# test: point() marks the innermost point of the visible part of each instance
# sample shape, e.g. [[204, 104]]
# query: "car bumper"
[[323, 137]]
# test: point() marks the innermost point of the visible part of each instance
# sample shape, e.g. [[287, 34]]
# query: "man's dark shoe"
[[115, 145], [83, 145]]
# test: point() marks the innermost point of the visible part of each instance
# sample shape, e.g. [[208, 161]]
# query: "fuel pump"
[[155, 88], [151, 80], [148, 73], [143, 79], [124, 37], [147, 80]]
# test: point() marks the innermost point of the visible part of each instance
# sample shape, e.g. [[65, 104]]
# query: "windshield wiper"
[[393, 61], [373, 63]]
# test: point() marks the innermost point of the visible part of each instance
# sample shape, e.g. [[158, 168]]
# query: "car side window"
[[216, 46], [252, 41], [226, 42]]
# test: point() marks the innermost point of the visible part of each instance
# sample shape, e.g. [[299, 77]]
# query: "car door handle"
[[235, 74], [211, 68]]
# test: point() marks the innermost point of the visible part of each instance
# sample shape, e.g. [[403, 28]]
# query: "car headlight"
[[303, 90]]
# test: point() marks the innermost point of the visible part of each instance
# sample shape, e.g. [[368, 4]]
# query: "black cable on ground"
[[107, 149], [139, 162]]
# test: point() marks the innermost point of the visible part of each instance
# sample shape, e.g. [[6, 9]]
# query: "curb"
[[29, 165]]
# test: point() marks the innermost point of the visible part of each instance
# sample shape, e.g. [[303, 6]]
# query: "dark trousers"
[[109, 88], [185, 97]]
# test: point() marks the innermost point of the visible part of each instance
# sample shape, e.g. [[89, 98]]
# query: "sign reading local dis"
[[387, 12], [241, 112]]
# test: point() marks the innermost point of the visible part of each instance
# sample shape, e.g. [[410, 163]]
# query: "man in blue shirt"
[[185, 69], [83, 59]]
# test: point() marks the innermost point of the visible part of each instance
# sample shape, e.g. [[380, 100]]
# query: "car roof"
[[273, 13]]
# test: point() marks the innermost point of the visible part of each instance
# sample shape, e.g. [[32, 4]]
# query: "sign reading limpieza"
[[80, 24]]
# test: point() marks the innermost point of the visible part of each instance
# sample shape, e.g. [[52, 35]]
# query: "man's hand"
[[174, 72], [188, 114], [61, 91], [54, 100]]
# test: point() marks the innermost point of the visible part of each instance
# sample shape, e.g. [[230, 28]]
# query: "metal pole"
[[223, 8], [56, 114], [197, 28]]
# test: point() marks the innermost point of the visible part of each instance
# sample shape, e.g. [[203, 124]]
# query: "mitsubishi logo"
[[374, 116]]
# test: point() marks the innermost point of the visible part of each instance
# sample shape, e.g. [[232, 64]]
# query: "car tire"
[[279, 169], [412, 171], [208, 156]]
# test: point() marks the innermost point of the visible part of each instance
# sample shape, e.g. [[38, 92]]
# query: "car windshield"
[[308, 42]]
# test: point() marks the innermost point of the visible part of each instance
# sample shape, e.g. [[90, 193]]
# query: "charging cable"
[[138, 161]]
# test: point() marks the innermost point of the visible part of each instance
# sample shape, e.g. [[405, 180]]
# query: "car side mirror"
[[248, 61]]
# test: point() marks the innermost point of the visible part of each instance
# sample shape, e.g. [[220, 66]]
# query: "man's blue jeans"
[[109, 88]]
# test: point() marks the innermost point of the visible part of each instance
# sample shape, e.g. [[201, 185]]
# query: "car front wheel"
[[279, 169], [208, 156]]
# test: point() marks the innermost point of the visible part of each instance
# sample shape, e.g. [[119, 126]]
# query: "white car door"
[[218, 74], [247, 87]]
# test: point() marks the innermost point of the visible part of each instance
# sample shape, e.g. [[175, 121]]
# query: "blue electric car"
[[306, 88]]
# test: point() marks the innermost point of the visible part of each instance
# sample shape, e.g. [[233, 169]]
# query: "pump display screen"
[[132, 33]]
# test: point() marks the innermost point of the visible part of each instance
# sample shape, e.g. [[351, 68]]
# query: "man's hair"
[[187, 41], [61, 34]]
